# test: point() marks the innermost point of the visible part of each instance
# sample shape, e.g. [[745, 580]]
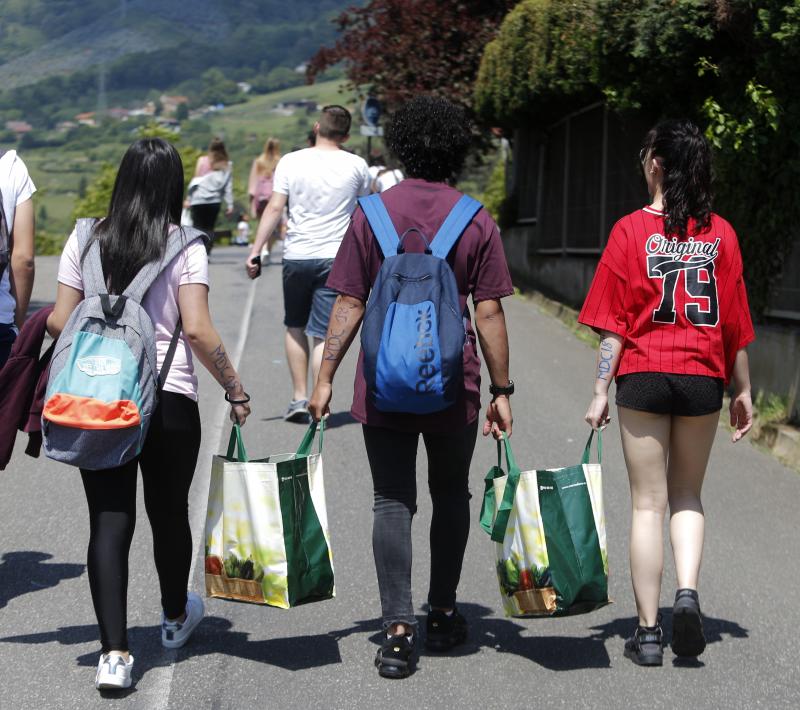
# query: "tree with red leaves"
[[404, 48]]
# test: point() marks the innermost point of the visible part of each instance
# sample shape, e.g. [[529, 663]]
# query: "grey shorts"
[[307, 301]]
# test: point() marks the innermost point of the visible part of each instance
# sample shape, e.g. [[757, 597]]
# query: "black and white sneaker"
[[646, 647], [297, 411], [175, 634], [443, 631], [395, 657], [688, 640]]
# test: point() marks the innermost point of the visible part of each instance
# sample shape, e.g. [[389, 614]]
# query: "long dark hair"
[[686, 162], [147, 199]]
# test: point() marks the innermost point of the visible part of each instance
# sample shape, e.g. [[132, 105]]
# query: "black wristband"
[[497, 391], [237, 401]]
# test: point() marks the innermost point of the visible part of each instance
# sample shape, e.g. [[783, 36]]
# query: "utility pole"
[[102, 98]]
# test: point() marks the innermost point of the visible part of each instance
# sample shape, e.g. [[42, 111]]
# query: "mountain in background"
[[52, 52]]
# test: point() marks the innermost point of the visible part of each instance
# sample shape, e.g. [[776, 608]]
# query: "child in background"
[[242, 238]]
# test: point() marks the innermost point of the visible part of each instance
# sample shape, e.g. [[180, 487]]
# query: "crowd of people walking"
[[668, 301]]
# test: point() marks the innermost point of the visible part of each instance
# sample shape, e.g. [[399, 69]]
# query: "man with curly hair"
[[430, 137]]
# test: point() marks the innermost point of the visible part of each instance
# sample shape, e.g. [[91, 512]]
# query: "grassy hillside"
[[45, 38], [58, 172]]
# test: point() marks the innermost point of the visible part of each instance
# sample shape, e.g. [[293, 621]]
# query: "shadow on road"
[[334, 421], [505, 636], [26, 572], [557, 653], [714, 629], [213, 636]]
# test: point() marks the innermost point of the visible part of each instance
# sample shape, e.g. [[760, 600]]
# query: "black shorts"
[[307, 301], [664, 393]]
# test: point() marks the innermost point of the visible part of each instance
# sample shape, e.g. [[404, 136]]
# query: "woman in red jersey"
[[669, 302]]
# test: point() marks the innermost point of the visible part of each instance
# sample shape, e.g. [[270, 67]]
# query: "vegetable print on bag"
[[267, 538], [549, 527]]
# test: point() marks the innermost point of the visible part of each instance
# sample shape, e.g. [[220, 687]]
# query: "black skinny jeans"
[[167, 461], [393, 460], [204, 218]]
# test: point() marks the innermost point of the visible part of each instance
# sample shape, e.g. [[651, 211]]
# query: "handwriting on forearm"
[[605, 360], [334, 344], [222, 365]]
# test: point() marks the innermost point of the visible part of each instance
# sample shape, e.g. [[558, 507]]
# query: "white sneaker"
[[175, 634], [113, 672]]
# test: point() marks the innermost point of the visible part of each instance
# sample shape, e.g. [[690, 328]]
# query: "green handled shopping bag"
[[267, 539], [550, 532]]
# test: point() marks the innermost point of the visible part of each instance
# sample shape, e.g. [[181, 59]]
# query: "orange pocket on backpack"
[[89, 413]]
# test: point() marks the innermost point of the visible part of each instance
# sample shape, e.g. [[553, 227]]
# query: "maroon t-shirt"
[[480, 268]]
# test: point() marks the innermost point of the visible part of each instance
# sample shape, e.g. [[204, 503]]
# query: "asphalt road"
[[320, 655]]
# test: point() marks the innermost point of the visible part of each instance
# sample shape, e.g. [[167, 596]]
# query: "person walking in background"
[[260, 185], [143, 215], [212, 183], [382, 176], [430, 137], [669, 302], [242, 238], [320, 185], [17, 246]]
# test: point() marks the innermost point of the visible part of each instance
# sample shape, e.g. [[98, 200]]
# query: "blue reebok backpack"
[[413, 332]]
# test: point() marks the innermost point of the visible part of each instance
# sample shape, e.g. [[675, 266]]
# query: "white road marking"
[[159, 679]]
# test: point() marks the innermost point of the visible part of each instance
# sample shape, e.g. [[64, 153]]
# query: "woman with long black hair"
[[669, 302], [145, 209]]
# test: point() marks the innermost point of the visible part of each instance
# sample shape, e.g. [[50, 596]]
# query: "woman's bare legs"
[[690, 446], [645, 444]]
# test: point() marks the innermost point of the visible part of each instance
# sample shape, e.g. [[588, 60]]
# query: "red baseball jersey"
[[679, 304]]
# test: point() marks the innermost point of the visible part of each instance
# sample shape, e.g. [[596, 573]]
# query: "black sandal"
[[394, 657], [688, 640], [646, 647]]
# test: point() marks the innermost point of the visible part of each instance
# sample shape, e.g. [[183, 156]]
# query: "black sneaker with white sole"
[[395, 657], [646, 647], [443, 631], [688, 640]]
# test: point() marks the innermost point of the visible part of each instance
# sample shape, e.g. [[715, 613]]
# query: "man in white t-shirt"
[[16, 282], [320, 186]]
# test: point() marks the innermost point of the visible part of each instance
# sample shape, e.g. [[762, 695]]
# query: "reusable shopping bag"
[[550, 532], [267, 539]]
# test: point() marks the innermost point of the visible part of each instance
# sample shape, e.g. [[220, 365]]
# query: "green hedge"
[[733, 66]]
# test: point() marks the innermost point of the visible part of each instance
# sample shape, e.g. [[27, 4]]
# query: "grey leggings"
[[393, 460]]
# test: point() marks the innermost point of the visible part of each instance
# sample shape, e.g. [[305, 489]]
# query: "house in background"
[[19, 128]]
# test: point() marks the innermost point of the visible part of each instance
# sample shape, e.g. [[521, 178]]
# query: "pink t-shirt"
[[203, 166], [160, 303]]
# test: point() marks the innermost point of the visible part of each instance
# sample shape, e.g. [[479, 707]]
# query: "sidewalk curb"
[[779, 440]]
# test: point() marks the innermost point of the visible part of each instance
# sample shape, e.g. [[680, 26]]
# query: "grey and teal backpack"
[[103, 385]]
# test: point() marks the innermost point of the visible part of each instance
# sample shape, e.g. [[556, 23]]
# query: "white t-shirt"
[[384, 177], [243, 231], [16, 186], [322, 187], [160, 303]]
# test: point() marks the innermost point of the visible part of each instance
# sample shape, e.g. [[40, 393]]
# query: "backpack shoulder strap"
[[94, 282], [454, 225], [177, 240], [381, 223]]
